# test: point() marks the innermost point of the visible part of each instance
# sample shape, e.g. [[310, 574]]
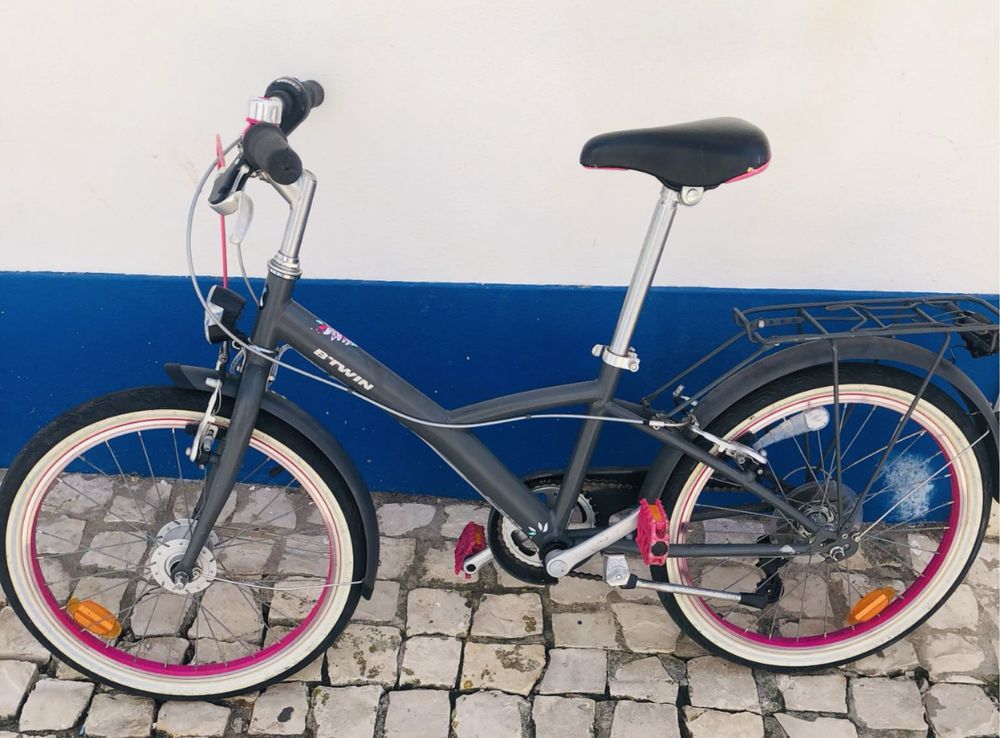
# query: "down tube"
[[344, 360]]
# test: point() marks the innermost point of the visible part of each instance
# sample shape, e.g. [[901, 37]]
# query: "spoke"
[[808, 465], [96, 468], [907, 546], [733, 511], [177, 630], [251, 523], [255, 470], [864, 458], [149, 465], [80, 550], [243, 643], [921, 484], [149, 620], [180, 477], [826, 603], [108, 588], [142, 533], [110, 556], [858, 433], [889, 553]]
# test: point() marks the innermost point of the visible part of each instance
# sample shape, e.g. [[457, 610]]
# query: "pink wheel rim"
[[901, 602], [156, 667]]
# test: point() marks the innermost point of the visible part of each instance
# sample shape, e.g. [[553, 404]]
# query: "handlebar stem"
[[299, 196]]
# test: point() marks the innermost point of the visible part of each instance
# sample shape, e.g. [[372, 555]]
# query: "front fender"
[[816, 353], [193, 377]]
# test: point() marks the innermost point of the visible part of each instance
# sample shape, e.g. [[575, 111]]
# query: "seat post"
[[645, 269]]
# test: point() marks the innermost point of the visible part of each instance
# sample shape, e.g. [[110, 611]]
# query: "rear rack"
[[972, 318], [811, 321]]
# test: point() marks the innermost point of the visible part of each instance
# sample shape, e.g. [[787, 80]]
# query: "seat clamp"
[[630, 361], [691, 195]]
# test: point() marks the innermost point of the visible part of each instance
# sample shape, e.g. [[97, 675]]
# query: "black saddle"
[[703, 153]]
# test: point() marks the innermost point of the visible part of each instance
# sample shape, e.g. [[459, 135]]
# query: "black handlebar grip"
[[316, 91], [266, 148]]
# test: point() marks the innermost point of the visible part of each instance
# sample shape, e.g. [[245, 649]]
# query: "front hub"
[[171, 545]]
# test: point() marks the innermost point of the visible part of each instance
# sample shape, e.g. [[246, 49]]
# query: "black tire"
[[175, 399], [788, 386]]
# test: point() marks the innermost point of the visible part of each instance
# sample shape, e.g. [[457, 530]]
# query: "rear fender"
[[807, 355], [193, 377]]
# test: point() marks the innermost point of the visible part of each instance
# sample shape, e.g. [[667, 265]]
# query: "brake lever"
[[244, 217], [230, 182]]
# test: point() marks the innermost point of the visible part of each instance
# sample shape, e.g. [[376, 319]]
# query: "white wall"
[[447, 148]]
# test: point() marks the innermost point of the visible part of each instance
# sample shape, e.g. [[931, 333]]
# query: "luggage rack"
[[973, 318], [769, 325]]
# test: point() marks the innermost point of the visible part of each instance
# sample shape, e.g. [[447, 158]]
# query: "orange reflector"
[[94, 618], [870, 605]]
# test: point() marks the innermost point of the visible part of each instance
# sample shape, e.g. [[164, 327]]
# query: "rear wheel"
[[99, 506], [907, 541]]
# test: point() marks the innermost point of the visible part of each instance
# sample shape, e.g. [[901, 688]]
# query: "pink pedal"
[[471, 542], [652, 534]]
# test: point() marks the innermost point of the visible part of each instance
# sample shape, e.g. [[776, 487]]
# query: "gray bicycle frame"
[[283, 321]]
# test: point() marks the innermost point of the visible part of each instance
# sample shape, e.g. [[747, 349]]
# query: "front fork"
[[222, 474]]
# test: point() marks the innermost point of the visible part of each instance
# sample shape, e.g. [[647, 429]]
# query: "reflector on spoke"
[[870, 605]]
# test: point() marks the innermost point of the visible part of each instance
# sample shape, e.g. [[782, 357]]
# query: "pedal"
[[470, 544], [652, 533]]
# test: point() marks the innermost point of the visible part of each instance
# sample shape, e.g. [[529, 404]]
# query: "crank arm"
[[475, 562]]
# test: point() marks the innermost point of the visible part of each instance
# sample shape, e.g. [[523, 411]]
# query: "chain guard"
[[606, 495]]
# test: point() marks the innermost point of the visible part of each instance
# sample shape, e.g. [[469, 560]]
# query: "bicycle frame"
[[283, 321]]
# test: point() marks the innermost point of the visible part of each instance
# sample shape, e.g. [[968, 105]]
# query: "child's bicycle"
[[812, 505]]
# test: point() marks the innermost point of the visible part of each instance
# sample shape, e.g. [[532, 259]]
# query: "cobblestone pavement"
[[433, 654]]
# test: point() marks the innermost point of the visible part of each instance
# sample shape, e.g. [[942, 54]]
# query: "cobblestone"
[[280, 710], [395, 557], [114, 715], [508, 616], [432, 611], [821, 693], [364, 654], [54, 705], [639, 719], [423, 712], [713, 724], [345, 712], [489, 715], [646, 628], [643, 679], [17, 643], [714, 682], [430, 661], [192, 719], [400, 518], [15, 678], [584, 630], [563, 717], [502, 666], [819, 727], [960, 711], [888, 704], [582, 670]]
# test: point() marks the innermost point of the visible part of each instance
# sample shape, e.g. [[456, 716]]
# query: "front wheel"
[[97, 509], [911, 516]]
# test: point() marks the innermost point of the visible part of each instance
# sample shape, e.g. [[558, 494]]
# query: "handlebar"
[[265, 148]]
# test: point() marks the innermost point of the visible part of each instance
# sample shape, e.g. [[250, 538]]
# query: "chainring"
[[599, 500]]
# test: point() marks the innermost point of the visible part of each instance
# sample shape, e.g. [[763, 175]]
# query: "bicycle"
[[813, 504]]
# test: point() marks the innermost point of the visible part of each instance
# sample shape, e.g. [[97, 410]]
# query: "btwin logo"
[[348, 373]]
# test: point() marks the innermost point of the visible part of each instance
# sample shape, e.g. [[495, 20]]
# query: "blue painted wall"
[[68, 337]]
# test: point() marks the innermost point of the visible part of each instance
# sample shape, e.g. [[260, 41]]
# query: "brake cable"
[[657, 423]]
